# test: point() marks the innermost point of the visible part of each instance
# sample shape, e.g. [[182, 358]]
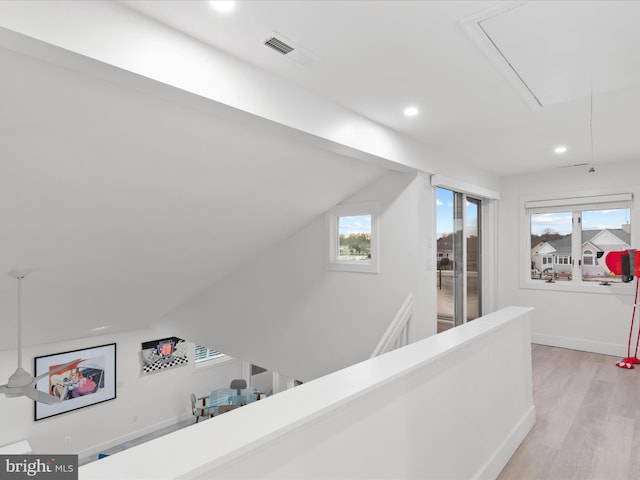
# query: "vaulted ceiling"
[[125, 204]]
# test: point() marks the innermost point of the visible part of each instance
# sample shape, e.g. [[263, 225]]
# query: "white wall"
[[580, 320], [144, 402], [286, 312]]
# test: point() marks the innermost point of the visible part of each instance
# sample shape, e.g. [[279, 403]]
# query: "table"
[[229, 396]]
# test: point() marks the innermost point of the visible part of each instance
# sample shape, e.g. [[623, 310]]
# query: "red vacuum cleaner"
[[627, 263]]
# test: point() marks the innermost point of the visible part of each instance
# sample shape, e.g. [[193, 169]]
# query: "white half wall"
[[452, 406], [284, 311], [144, 402], [579, 320]]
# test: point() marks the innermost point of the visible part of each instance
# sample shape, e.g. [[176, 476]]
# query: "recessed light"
[[560, 149], [411, 111], [223, 6], [98, 329]]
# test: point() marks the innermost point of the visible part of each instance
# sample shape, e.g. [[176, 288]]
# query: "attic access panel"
[[554, 52]]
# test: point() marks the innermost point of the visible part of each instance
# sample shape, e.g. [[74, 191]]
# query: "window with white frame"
[[570, 237], [587, 258], [353, 238]]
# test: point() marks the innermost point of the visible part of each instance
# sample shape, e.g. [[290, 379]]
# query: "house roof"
[[445, 243], [563, 245]]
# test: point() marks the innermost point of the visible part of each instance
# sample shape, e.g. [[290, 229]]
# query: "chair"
[[226, 408], [200, 411], [238, 384]]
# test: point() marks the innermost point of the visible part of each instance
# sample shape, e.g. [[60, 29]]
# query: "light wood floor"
[[588, 419]]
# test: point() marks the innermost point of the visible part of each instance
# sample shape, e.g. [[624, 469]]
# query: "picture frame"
[[162, 354], [89, 381]]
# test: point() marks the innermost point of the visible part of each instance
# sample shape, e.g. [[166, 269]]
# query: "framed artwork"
[[157, 355], [89, 380]]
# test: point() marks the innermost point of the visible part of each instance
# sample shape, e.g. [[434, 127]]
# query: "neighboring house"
[[537, 258], [445, 247], [606, 240], [552, 255], [555, 255], [445, 251]]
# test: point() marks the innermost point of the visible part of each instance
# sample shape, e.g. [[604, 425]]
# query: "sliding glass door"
[[472, 255], [459, 262]]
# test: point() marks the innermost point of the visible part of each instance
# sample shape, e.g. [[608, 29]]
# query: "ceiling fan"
[[21, 383]]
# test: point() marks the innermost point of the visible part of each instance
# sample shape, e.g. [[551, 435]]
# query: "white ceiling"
[[598, 48], [378, 56]]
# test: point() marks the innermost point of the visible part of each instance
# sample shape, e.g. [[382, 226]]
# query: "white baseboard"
[[505, 451], [581, 344], [132, 436]]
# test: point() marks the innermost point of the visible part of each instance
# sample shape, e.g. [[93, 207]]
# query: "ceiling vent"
[[278, 45], [289, 49]]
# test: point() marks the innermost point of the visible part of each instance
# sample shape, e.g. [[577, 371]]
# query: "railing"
[[400, 331], [434, 409]]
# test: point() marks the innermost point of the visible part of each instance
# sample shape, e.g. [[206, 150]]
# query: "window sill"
[[581, 287], [370, 267]]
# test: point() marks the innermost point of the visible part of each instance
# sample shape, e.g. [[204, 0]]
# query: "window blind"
[[203, 354], [438, 180]]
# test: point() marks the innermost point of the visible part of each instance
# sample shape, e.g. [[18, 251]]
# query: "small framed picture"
[[158, 355]]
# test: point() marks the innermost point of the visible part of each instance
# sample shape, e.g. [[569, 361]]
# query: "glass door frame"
[[461, 229]]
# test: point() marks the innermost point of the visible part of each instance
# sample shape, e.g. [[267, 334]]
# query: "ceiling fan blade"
[[55, 370], [30, 392], [39, 396]]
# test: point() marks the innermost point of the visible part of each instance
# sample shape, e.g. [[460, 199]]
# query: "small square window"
[[352, 232]]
